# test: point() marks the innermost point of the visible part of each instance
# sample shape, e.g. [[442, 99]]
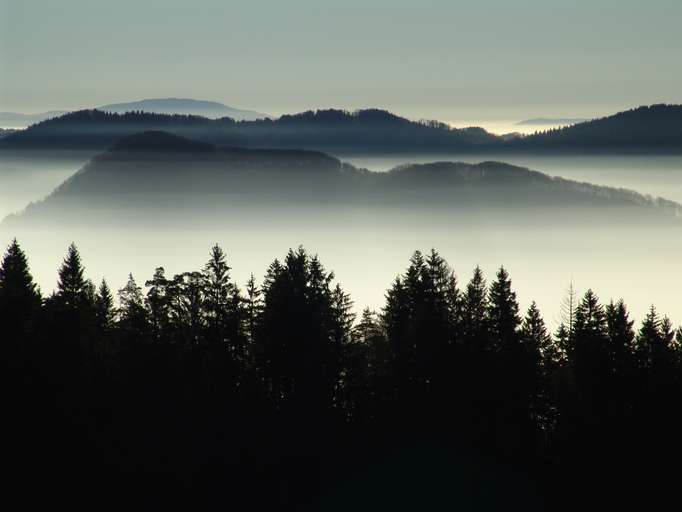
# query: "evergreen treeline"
[[276, 396], [654, 128], [363, 131]]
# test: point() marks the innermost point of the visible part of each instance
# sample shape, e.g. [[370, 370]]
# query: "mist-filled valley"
[[133, 213], [341, 256]]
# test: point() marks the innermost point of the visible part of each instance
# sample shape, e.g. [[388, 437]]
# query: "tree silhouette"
[[72, 286], [19, 295], [104, 306], [282, 389]]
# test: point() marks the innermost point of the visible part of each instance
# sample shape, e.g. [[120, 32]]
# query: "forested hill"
[[657, 128], [157, 169], [332, 130]]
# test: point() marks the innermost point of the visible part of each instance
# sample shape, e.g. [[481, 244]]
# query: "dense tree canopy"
[[276, 390]]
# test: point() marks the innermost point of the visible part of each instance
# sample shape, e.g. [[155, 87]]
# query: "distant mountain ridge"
[[158, 170], [656, 128], [549, 121], [184, 106], [20, 120]]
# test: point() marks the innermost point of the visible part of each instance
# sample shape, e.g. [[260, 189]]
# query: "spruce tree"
[[590, 351], [296, 350], [622, 350], [621, 334], [536, 339], [512, 373], [71, 287], [475, 326], [649, 340], [221, 316], [104, 306], [253, 307], [19, 295], [542, 358], [562, 339], [503, 312]]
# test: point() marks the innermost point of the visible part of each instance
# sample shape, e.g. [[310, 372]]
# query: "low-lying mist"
[[617, 251], [367, 252], [656, 175]]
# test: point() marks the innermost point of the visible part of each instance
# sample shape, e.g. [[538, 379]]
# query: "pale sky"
[[449, 60]]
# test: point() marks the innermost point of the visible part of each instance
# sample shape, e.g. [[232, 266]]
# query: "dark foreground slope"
[[157, 175]]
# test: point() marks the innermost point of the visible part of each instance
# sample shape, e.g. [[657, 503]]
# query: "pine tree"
[[296, 353], [511, 370], [621, 342], [535, 337], [253, 307], [19, 295], [19, 303], [667, 332], [543, 358], [475, 327], [158, 302], [657, 363], [649, 341], [590, 351], [368, 327], [590, 322], [187, 302], [446, 294], [132, 316], [104, 306], [343, 316], [562, 341], [71, 287], [218, 303], [503, 312]]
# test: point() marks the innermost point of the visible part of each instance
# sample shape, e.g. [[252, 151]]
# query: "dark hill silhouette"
[[330, 130], [657, 128], [159, 141], [154, 171]]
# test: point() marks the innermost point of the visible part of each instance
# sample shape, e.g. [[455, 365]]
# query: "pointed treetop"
[[71, 282], [15, 276]]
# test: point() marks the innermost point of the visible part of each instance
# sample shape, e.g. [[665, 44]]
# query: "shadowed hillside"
[[158, 171], [657, 128], [363, 131]]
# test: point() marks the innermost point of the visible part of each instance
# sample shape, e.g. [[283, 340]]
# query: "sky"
[[447, 60]]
